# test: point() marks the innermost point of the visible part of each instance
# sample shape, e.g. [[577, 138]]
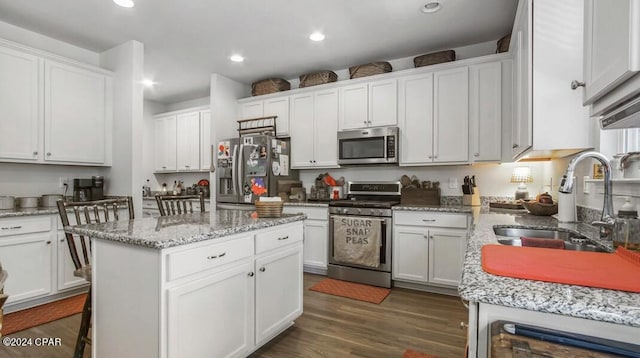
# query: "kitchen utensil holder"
[[472, 199]]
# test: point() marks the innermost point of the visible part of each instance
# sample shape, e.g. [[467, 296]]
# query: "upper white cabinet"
[[434, 117], [49, 109], [485, 111], [369, 104], [278, 106], [18, 105], [205, 140], [165, 143], [612, 45], [188, 141], [183, 141], [549, 116], [314, 124]]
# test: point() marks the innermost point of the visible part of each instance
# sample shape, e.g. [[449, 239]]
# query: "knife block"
[[472, 199]]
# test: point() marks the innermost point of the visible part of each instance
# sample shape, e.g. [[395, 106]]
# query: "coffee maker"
[[97, 187], [82, 189]]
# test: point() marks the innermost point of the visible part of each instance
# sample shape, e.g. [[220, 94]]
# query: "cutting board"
[[615, 271]]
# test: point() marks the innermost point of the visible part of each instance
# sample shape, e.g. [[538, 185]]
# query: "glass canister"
[[626, 232]]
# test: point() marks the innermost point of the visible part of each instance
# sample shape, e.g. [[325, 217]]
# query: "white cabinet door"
[[19, 133], [325, 129], [302, 130], [354, 106], [446, 256], [205, 140], [212, 316], [278, 291], [451, 115], [410, 254], [522, 125], [612, 45], [278, 107], [383, 103], [251, 110], [75, 114], [485, 111], [188, 141], [165, 143], [316, 243], [416, 119], [66, 279], [27, 260]]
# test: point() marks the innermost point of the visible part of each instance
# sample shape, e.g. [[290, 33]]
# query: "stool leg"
[[85, 323]]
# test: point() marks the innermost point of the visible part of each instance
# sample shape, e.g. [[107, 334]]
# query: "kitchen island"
[[597, 312], [218, 284]]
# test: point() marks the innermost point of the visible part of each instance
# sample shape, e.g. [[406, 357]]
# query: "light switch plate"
[[453, 183], [585, 185]]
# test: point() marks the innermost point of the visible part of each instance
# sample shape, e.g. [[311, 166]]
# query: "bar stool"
[[178, 204], [89, 212]]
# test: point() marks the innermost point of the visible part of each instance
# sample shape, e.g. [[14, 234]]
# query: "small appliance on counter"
[[97, 187], [82, 189]]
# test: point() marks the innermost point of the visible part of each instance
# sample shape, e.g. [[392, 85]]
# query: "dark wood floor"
[[331, 326]]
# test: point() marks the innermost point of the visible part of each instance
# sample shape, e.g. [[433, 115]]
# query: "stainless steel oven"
[[368, 146]]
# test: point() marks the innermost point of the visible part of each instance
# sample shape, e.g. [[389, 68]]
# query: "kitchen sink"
[[576, 242]]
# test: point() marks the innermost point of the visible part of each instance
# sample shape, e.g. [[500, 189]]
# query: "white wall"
[[198, 102], [148, 141], [45, 43], [18, 179], [127, 63]]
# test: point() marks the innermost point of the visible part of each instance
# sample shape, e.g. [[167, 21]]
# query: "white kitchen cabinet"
[[429, 248], [316, 237], [218, 306], [434, 117], [278, 291], [26, 253], [547, 109], [277, 106], [370, 104], [188, 141], [206, 151], [612, 45], [19, 105], [65, 266], [314, 124], [485, 111], [165, 143]]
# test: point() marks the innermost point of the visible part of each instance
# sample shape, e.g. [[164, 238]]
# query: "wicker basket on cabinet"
[[434, 58], [317, 78], [269, 85], [369, 69]]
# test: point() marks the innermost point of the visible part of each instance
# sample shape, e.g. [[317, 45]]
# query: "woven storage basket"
[[317, 78], [269, 209], [503, 44], [540, 209], [434, 58], [369, 69], [270, 85]]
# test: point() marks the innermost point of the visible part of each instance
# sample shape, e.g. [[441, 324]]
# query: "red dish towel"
[[541, 242]]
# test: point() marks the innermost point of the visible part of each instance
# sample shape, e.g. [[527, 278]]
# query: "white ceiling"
[[187, 40]]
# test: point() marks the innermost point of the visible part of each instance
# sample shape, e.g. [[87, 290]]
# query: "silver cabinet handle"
[[262, 269], [186, 166], [216, 256], [61, 240], [283, 238], [12, 228], [429, 220], [250, 274], [515, 146], [575, 84], [476, 154]]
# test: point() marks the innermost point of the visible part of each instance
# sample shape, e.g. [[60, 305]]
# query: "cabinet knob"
[[164, 167], [48, 154], [186, 166], [365, 122], [575, 84], [262, 269], [49, 242], [476, 154], [250, 274], [61, 240], [463, 325], [35, 152], [515, 146], [430, 157]]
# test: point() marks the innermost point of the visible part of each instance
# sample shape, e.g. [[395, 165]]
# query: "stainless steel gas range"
[[360, 228]]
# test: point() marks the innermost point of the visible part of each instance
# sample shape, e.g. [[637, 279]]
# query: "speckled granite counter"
[[12, 213], [576, 301], [170, 231], [319, 204], [436, 208]]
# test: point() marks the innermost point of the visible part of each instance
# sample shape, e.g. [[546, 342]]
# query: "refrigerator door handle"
[[239, 167], [212, 168], [233, 171]]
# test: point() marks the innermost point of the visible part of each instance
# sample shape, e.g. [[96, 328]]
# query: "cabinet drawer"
[[431, 219], [25, 225], [269, 240], [312, 213], [202, 258]]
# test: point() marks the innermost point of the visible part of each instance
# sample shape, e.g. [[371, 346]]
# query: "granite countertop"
[[11, 213], [577, 301], [169, 231], [436, 208], [319, 204], [152, 198]]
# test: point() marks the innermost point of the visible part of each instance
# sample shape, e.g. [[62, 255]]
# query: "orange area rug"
[[21, 320], [356, 291], [413, 354]]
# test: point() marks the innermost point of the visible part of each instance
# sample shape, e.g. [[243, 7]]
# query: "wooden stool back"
[[178, 204]]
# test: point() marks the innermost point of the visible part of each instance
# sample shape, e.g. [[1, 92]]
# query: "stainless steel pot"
[[7, 202], [28, 202], [49, 200]]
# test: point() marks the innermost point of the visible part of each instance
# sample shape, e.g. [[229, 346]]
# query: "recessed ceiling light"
[[316, 36], [430, 7], [236, 58], [148, 82], [124, 3]]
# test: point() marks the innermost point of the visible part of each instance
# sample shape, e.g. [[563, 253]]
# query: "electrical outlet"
[[62, 181], [453, 183], [585, 185]]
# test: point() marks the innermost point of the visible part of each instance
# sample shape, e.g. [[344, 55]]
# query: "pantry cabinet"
[[370, 104], [183, 141], [485, 111], [314, 124], [206, 151], [278, 106]]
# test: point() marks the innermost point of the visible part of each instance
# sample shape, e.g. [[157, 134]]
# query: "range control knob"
[[345, 211], [380, 212], [359, 211], [373, 211]]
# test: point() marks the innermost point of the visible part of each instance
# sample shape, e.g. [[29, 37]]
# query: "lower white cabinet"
[[429, 248], [316, 237], [65, 265]]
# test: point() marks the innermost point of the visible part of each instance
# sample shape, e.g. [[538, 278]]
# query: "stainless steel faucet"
[[607, 221]]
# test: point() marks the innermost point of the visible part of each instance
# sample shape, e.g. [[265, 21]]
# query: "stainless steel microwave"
[[368, 146]]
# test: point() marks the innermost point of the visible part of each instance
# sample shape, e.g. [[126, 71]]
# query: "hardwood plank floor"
[[331, 326]]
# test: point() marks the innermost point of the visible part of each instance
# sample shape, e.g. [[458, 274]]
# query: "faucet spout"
[[566, 186]]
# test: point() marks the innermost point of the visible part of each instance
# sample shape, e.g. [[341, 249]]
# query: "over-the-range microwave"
[[368, 146]]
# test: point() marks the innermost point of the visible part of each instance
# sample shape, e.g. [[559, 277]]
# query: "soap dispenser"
[[627, 227]]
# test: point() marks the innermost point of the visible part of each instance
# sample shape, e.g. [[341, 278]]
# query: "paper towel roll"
[[567, 207]]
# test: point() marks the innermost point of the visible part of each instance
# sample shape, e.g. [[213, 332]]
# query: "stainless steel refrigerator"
[[250, 167]]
